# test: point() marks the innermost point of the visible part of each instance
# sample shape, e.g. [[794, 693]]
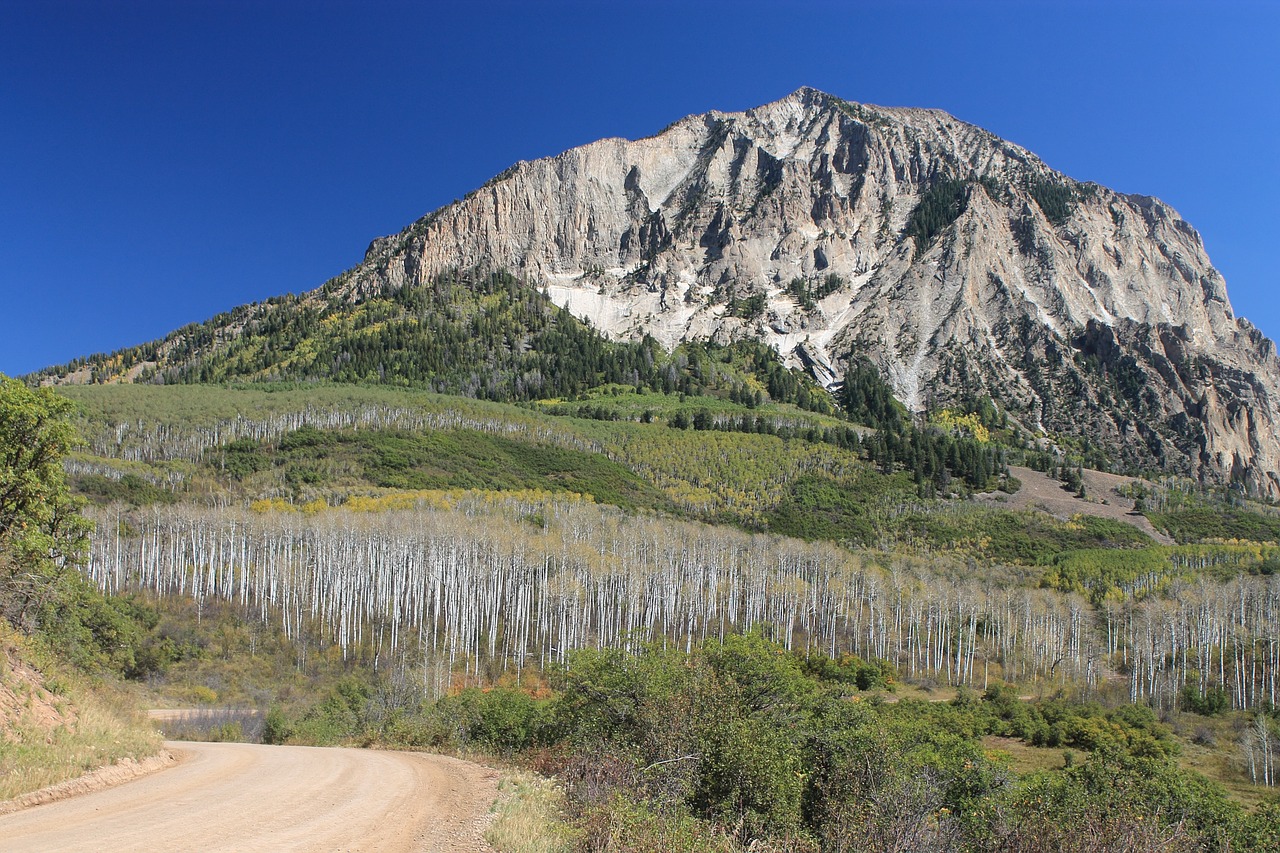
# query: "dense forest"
[[485, 582]]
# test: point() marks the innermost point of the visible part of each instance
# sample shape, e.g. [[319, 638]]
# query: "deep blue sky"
[[163, 161]]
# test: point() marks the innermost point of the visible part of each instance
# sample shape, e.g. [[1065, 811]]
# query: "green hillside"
[[551, 570]]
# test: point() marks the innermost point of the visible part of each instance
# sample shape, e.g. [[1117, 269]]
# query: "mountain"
[[956, 262]]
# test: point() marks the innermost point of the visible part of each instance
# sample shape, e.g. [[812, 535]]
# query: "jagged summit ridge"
[[804, 186], [957, 261]]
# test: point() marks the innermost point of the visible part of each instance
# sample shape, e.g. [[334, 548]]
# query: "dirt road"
[[242, 797]]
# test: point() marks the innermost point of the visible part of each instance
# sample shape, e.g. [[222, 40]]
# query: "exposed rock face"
[[958, 262], [1084, 311]]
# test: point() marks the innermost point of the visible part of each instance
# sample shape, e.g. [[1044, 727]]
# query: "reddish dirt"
[[26, 704], [234, 796]]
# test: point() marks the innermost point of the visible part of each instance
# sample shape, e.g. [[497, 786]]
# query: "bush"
[[1112, 801], [1214, 700], [276, 727], [500, 720], [341, 717], [626, 826]]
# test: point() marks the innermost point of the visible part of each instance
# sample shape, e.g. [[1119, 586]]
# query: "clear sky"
[[164, 161]]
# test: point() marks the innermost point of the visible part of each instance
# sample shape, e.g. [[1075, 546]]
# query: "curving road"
[[245, 797]]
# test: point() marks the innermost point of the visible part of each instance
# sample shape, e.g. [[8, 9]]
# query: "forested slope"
[[712, 557]]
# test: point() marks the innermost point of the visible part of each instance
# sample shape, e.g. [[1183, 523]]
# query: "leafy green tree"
[[43, 539], [42, 535]]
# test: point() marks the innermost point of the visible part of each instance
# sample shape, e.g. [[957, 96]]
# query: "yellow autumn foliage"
[[962, 424]]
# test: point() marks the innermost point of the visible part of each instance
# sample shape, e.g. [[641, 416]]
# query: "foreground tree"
[[43, 537]]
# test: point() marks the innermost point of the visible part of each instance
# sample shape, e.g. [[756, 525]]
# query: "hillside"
[[224, 470], [546, 581], [63, 644], [958, 263], [56, 726]]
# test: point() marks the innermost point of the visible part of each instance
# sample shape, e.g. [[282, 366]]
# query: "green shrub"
[[501, 720], [624, 825], [276, 726], [1214, 700]]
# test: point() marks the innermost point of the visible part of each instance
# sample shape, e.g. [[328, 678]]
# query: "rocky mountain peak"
[[958, 262]]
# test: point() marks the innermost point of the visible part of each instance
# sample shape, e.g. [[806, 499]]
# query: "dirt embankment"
[[122, 771], [27, 705], [234, 796]]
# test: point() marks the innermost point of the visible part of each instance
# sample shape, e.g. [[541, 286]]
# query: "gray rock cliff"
[[958, 262]]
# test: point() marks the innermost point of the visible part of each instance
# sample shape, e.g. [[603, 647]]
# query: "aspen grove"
[[479, 583]]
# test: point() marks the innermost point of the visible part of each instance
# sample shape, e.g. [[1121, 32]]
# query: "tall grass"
[[528, 818], [107, 728], [101, 726]]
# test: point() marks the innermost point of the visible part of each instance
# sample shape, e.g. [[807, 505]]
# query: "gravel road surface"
[[246, 797]]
